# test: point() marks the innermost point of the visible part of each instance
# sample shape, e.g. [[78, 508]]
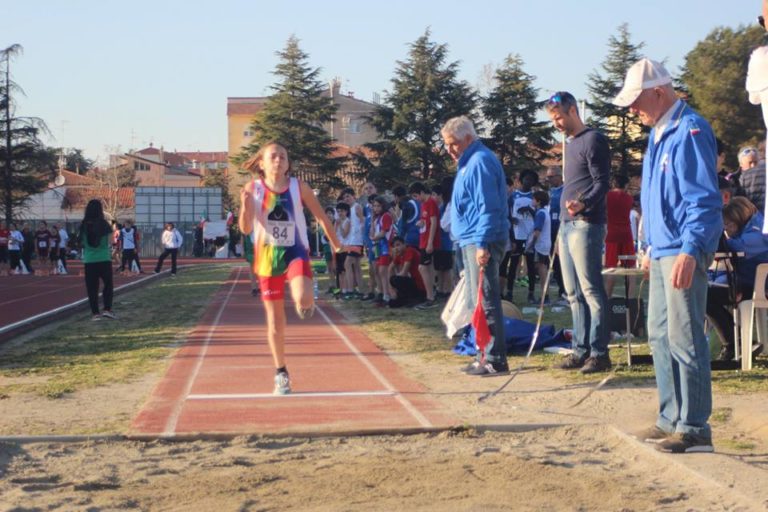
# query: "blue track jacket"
[[682, 207], [479, 200]]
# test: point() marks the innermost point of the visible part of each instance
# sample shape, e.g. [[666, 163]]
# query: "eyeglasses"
[[748, 152], [555, 99]]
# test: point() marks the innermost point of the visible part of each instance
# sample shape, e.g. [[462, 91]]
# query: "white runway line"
[[173, 419], [408, 406], [246, 396]]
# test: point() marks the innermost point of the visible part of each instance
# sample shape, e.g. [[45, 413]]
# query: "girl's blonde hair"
[[253, 164], [739, 210]]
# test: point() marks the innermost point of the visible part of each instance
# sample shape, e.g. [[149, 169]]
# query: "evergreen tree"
[[426, 93], [627, 135], [25, 166], [520, 140], [294, 115], [714, 74], [219, 178]]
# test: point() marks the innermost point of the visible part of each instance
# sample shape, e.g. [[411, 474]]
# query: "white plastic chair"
[[758, 312]]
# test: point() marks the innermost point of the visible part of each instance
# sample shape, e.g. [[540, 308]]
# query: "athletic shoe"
[[490, 369], [596, 364], [428, 304], [571, 362], [305, 314], [686, 443], [509, 296], [652, 435], [282, 384], [369, 296], [348, 296], [474, 365], [173, 275], [96, 318], [108, 314]]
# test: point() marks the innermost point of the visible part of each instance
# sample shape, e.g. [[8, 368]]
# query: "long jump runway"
[[220, 381]]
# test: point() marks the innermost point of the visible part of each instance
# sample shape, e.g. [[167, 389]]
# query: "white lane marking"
[[173, 419], [408, 406], [246, 396]]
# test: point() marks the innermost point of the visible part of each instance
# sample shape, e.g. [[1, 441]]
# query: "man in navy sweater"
[[683, 222], [582, 234], [480, 225]]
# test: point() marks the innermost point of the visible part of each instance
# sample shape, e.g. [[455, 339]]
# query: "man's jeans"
[[680, 348], [581, 256], [496, 350]]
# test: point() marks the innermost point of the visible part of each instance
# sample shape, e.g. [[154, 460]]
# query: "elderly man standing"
[[479, 223], [582, 234], [682, 221]]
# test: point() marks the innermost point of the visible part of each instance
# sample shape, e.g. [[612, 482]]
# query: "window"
[[354, 126], [140, 166], [248, 133]]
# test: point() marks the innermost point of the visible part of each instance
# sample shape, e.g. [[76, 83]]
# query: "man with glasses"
[[683, 221], [582, 234]]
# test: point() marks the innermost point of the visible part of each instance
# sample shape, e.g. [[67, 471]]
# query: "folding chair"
[[755, 310]]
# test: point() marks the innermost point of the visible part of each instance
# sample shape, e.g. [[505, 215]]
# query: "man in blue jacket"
[[479, 223], [683, 222]]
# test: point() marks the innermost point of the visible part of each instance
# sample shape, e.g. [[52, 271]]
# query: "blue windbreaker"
[[479, 200], [754, 244], [682, 207]]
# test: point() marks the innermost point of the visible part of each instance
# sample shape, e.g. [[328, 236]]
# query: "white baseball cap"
[[757, 74], [644, 74]]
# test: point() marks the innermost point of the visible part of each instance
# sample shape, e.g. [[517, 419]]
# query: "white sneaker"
[[109, 314], [305, 314], [282, 384], [96, 318]]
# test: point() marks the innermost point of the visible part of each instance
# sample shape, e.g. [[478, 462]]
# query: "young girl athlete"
[[272, 209]]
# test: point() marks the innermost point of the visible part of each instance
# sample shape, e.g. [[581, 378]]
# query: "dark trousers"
[[15, 257], [514, 261], [95, 272], [26, 257], [407, 291], [128, 256], [556, 270], [63, 257], [174, 253]]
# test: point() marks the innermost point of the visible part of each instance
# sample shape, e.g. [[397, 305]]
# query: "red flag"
[[479, 321]]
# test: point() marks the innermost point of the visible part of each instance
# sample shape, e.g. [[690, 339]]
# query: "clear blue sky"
[[105, 73]]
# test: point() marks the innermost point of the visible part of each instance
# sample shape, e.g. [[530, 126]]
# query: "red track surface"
[[221, 380]]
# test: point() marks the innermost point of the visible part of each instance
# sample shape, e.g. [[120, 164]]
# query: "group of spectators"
[[406, 239], [50, 246]]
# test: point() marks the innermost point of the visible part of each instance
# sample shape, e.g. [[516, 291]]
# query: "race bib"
[[42, 244], [281, 233]]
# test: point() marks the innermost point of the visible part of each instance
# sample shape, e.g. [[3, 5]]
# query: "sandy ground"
[[529, 451]]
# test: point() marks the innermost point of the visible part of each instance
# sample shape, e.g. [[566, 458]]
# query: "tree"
[[24, 165], [713, 74], [627, 136], [294, 115], [426, 93], [519, 138], [219, 178], [117, 176]]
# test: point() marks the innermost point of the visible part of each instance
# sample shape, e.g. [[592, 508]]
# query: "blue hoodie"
[[754, 244], [682, 207], [479, 200]]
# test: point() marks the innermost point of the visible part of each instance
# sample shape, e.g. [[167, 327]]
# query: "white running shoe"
[[282, 384], [108, 314], [305, 314]]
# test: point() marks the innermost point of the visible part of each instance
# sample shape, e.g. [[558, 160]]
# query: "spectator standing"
[[683, 221], [407, 216], [94, 235], [479, 222], [540, 242], [555, 180], [172, 241], [15, 241], [5, 235], [63, 246], [582, 234], [443, 259], [429, 239], [369, 194], [42, 243], [342, 226], [382, 232], [128, 243], [53, 250], [28, 247], [355, 241], [521, 213], [618, 239]]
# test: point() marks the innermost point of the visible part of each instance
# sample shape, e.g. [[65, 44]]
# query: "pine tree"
[[511, 109], [627, 136], [426, 93], [294, 115], [25, 165], [714, 74]]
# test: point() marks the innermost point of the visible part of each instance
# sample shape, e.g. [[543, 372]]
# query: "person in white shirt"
[[15, 241], [172, 241], [63, 243], [128, 239]]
